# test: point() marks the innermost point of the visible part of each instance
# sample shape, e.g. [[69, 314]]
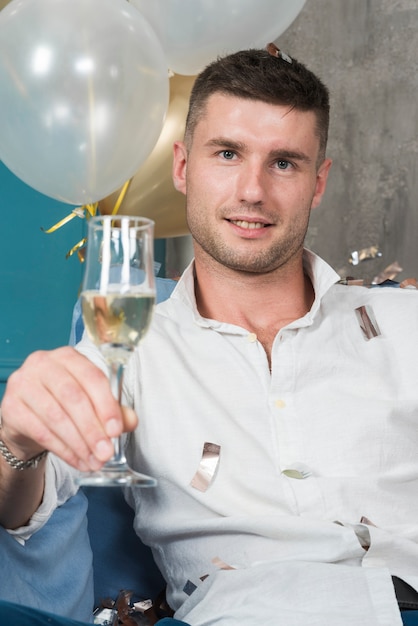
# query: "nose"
[[251, 184]]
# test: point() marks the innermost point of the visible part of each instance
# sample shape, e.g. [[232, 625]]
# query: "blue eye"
[[228, 154], [282, 165]]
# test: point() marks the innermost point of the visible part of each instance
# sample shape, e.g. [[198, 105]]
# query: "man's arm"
[[20, 493], [61, 402]]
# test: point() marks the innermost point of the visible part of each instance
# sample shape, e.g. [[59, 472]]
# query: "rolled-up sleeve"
[[60, 485]]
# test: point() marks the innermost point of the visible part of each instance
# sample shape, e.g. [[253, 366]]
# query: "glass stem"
[[116, 381]]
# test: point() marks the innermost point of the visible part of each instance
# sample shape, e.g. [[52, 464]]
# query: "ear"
[[179, 166], [321, 182]]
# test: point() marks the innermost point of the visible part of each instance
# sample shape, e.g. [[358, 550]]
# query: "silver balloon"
[[195, 32]]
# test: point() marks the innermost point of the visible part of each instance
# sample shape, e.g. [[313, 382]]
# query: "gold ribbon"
[[85, 212]]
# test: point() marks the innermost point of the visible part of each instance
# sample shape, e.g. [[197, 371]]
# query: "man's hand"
[[59, 401]]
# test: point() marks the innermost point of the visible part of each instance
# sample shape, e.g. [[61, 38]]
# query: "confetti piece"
[[367, 322], [207, 466]]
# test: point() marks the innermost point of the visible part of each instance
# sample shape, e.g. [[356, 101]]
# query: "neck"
[[260, 303]]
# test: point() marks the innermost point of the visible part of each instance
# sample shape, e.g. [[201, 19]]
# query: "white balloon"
[[195, 32], [84, 92]]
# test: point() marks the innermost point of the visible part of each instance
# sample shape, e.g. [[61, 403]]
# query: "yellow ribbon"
[[121, 196], [86, 212]]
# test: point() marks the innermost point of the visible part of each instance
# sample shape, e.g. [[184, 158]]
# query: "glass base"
[[116, 476]]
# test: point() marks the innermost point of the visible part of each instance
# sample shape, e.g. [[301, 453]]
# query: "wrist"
[[19, 464], [22, 461]]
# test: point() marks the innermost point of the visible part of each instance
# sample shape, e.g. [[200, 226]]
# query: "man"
[[277, 408]]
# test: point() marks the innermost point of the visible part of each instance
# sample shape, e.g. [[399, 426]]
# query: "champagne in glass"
[[117, 301]]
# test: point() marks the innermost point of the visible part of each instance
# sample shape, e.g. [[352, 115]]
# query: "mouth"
[[249, 225]]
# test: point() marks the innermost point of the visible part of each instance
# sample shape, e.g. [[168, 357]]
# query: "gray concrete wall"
[[366, 51]]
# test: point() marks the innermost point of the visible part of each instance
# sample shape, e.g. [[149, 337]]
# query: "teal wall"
[[38, 285]]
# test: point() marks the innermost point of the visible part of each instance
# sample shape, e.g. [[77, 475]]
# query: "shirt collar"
[[322, 275]]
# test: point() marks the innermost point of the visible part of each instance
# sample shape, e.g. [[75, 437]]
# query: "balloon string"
[[77, 212], [90, 209], [77, 248], [121, 196], [86, 211]]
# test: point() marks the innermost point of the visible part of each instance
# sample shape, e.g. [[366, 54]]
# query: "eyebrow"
[[239, 146], [224, 142], [290, 155]]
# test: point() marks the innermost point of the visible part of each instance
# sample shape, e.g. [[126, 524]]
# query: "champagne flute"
[[117, 302]]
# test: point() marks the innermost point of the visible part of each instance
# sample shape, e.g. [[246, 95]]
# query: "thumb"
[[130, 419]]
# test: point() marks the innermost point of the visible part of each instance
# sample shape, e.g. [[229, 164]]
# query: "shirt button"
[[298, 471], [280, 404], [252, 337]]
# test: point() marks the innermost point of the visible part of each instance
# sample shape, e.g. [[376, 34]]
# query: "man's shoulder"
[[391, 303]]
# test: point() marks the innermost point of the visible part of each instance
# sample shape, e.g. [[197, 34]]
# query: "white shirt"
[[314, 501]]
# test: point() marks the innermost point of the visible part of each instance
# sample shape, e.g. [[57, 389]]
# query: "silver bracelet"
[[16, 463]]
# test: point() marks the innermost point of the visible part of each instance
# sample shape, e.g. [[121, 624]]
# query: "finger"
[[95, 386], [130, 419], [30, 428], [85, 397], [46, 426], [55, 410]]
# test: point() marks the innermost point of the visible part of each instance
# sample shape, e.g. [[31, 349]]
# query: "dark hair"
[[260, 75]]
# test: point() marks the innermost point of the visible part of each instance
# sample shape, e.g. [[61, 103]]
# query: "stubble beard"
[[249, 261]]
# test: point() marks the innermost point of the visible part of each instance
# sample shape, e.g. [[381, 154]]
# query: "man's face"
[[251, 177]]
